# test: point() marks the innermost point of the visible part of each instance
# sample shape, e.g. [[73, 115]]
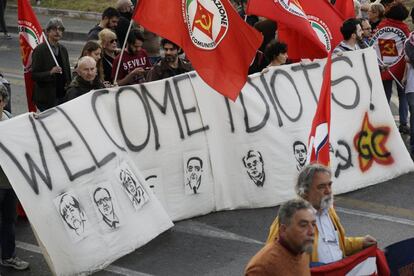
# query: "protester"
[[8, 203], [50, 79], [375, 15], [6, 83], [287, 255], [314, 184], [85, 80], [110, 18], [394, 17], [171, 65], [366, 32], [125, 9], [134, 64], [268, 28], [352, 33], [276, 53], [152, 46], [3, 26], [108, 41], [408, 80], [364, 7], [94, 50]]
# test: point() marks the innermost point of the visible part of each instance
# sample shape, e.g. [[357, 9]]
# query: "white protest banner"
[[200, 152], [84, 197]]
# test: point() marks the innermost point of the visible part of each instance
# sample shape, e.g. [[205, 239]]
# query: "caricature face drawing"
[[193, 173], [103, 201], [300, 152], [72, 214], [135, 192], [253, 162]]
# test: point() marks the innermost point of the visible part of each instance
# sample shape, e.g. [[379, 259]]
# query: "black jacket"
[[79, 86], [45, 89]]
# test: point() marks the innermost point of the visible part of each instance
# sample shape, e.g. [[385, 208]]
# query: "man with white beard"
[[314, 184]]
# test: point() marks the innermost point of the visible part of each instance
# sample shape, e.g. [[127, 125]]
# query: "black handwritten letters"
[[281, 96]]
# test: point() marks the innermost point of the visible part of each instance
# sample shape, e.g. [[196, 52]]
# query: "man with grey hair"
[[8, 203], [314, 184], [287, 255], [85, 80], [50, 78]]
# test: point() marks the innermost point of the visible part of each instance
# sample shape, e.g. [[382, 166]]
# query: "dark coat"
[[79, 86], [44, 93], [162, 70]]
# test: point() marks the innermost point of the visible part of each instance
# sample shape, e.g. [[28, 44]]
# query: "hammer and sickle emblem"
[[205, 22], [347, 158], [388, 48]]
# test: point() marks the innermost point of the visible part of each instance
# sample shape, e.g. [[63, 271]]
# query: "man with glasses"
[[171, 65], [8, 203], [135, 62], [366, 32], [103, 201], [51, 79], [314, 184]]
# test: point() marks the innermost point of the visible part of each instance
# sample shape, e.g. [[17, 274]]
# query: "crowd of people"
[[307, 230], [101, 63]]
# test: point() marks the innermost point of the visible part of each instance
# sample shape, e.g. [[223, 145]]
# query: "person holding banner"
[[276, 53], [51, 67], [314, 184], [287, 255], [8, 203]]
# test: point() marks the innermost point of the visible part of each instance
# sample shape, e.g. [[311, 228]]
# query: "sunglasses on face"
[[113, 40]]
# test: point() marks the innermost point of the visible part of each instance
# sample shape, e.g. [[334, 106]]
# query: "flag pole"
[[50, 49], [388, 69], [122, 52]]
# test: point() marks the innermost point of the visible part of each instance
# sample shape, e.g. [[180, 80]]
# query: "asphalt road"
[[220, 243]]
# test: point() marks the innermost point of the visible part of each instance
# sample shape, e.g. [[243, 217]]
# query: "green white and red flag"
[[30, 35]]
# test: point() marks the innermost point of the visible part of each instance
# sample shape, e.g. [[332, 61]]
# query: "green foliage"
[[81, 5]]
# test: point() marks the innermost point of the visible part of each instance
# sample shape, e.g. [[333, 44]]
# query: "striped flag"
[[319, 134]]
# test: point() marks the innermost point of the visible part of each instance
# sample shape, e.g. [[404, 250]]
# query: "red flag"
[[388, 42], [219, 44], [30, 35], [319, 134], [369, 261], [325, 21], [345, 8], [293, 21]]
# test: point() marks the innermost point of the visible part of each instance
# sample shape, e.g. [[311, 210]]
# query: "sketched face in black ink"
[[254, 164], [72, 214], [130, 185], [300, 152], [103, 201], [194, 172]]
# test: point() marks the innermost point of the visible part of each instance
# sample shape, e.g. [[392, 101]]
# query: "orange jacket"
[[348, 245]]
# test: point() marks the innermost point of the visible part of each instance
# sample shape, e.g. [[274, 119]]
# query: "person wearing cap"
[[50, 78], [8, 203]]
